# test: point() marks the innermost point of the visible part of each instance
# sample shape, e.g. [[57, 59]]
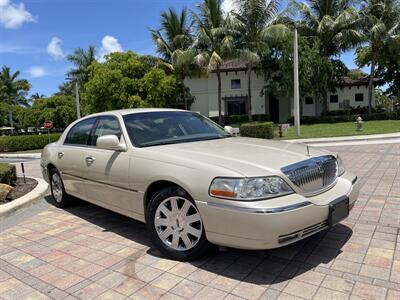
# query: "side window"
[[79, 134], [106, 126]]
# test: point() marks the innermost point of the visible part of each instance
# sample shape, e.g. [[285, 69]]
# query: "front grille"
[[285, 238], [313, 175]]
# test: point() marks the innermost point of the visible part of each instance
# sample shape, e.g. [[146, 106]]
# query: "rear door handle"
[[60, 155], [90, 159]]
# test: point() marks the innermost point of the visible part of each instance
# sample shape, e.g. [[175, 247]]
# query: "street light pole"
[[78, 106], [296, 96]]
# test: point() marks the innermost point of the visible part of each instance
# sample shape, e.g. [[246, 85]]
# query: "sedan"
[[194, 185]]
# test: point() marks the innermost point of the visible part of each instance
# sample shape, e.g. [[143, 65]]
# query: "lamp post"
[[78, 106], [296, 96]]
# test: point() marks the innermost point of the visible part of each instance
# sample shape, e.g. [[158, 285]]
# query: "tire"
[[61, 198], [175, 225]]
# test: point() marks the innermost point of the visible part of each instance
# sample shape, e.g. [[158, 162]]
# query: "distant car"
[[194, 185]]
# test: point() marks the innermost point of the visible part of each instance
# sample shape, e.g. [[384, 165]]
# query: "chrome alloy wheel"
[[57, 188], [178, 223]]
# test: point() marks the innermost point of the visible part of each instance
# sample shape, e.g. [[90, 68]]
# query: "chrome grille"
[[314, 174]]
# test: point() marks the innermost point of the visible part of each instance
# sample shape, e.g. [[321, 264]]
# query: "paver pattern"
[[86, 252]]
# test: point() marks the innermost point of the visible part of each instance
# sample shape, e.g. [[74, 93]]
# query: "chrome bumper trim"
[[261, 210]]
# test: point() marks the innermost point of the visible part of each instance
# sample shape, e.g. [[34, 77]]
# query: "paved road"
[[86, 252]]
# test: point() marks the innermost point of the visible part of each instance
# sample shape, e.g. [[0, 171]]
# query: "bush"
[[347, 118], [263, 130], [8, 174], [26, 142], [239, 119]]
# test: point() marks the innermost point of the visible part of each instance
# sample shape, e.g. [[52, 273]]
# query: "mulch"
[[21, 189]]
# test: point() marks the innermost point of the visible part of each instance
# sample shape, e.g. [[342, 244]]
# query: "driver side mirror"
[[110, 142], [228, 129]]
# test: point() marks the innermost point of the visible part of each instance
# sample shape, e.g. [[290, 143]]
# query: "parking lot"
[[87, 252]]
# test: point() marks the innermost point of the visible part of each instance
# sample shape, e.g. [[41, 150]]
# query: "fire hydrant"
[[359, 124]]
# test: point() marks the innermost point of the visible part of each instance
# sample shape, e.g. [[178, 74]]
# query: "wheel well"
[[155, 187]]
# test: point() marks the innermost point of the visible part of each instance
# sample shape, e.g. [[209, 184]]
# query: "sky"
[[37, 35]]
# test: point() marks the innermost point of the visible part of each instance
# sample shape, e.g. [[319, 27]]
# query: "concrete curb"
[[20, 155], [36, 194], [352, 138]]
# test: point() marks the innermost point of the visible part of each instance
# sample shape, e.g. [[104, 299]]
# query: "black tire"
[[62, 200], [201, 247]]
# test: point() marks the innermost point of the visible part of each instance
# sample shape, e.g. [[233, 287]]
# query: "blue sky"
[[36, 35]]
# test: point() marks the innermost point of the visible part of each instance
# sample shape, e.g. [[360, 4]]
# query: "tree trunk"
[[219, 96], [326, 104], [371, 86], [249, 92], [10, 119], [185, 104]]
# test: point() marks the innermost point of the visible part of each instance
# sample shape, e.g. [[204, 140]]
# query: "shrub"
[[26, 142], [347, 118], [263, 130], [8, 174]]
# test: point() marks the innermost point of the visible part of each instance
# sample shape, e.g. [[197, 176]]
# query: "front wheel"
[[57, 189], [175, 225]]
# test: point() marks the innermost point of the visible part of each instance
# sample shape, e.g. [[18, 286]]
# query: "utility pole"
[[296, 96], [78, 106]]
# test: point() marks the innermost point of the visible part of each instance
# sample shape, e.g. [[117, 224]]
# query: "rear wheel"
[[175, 225], [57, 189]]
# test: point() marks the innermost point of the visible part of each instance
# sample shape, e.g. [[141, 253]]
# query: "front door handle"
[[90, 159], [60, 155]]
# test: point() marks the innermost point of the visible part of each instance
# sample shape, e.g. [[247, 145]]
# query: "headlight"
[[341, 169], [249, 188]]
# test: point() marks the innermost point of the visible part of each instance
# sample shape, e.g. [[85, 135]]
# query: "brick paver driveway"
[[87, 252]]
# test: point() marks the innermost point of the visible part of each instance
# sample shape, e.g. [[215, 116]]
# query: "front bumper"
[[272, 223]]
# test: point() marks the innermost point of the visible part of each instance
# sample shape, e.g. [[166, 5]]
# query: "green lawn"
[[343, 129]]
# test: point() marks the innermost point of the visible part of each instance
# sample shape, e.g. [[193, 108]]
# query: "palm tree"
[[335, 23], [214, 41], [254, 26], [173, 42], [381, 20], [81, 59], [12, 90]]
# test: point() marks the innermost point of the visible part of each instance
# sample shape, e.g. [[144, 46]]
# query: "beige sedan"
[[194, 185]]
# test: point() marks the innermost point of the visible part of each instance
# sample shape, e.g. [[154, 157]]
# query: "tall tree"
[[81, 59], [381, 29], [254, 27], [335, 23], [12, 90], [173, 41], [214, 41]]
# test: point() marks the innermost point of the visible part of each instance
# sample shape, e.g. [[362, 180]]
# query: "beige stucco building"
[[351, 93]]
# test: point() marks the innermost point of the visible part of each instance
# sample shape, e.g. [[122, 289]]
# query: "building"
[[350, 93]]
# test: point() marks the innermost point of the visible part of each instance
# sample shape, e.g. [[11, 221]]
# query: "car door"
[[71, 157], [107, 171]]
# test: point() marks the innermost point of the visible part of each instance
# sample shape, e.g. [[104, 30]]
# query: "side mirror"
[[110, 142], [228, 129]]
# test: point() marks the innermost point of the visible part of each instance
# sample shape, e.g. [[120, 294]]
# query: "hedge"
[[8, 174], [348, 118], [26, 142], [263, 130], [239, 119]]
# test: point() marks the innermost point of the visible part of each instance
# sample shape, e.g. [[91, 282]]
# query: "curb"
[[29, 199], [20, 155], [351, 138]]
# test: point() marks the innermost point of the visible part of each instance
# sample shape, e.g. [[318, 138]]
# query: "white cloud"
[[54, 48], [12, 15], [36, 71], [228, 5], [109, 44]]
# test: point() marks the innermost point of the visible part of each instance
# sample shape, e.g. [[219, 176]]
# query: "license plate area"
[[338, 210]]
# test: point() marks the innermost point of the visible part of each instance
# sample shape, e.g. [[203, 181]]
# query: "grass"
[[25, 151], [343, 129]]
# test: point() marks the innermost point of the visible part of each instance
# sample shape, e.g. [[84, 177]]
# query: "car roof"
[[134, 111]]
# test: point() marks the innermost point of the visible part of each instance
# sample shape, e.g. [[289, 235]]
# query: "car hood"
[[245, 156]]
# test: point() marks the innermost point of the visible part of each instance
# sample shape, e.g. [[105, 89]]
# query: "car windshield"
[[170, 127]]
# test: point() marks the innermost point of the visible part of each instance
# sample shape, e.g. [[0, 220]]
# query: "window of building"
[[236, 108], [235, 84], [334, 98], [359, 97], [79, 134], [309, 100]]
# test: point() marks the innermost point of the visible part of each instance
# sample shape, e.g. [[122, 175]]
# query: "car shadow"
[[266, 267]]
